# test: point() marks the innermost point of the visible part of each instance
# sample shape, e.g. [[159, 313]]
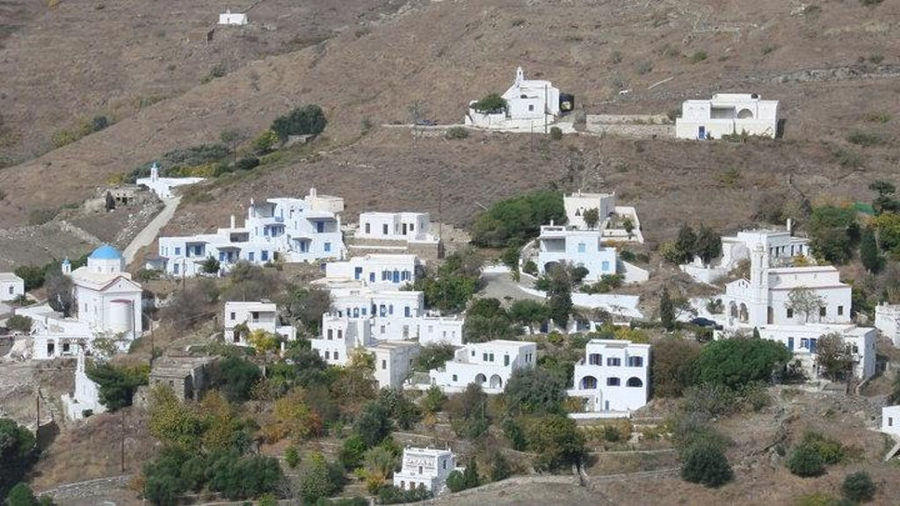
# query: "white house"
[[890, 420], [393, 361], [802, 341], [763, 299], [488, 364], [582, 248], [781, 245], [11, 286], [403, 226], [887, 320], [614, 375], [233, 18], [107, 304], [296, 230], [162, 186], [376, 270], [340, 336], [425, 467], [530, 103], [85, 399], [255, 315], [727, 114], [617, 223]]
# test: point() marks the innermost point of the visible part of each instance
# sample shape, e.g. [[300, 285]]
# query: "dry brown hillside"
[[832, 64], [62, 65]]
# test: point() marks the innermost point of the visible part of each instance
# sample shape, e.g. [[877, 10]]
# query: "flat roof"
[[9, 276]]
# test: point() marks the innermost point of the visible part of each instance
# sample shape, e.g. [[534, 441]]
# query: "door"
[[791, 343], [812, 345], [357, 272], [404, 229], [701, 132]]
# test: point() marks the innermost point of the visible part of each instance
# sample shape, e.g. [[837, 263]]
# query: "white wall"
[[11, 288], [887, 320], [890, 420], [609, 362]]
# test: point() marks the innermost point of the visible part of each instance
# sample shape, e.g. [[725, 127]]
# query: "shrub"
[[433, 356], [22, 495], [534, 391], [247, 163], [211, 265], [117, 384], [18, 451], [492, 103], [672, 365], [390, 494], [833, 232], [19, 323], [706, 464], [847, 158], [530, 268], [373, 424], [805, 461], [644, 67], [698, 57], [858, 487], [735, 362], [518, 218], [235, 376], [265, 142], [457, 132], [861, 138], [556, 439], [556, 133], [305, 120], [319, 478], [291, 456]]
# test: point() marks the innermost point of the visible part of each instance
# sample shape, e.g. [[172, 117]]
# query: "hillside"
[[445, 53]]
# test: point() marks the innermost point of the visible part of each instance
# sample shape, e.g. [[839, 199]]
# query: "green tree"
[[833, 232], [559, 294], [685, 244], [490, 104], [869, 254], [352, 451], [433, 356], [211, 265], [18, 451], [117, 384], [833, 358], [708, 244], [306, 306], [672, 365], [805, 461], [529, 312], [486, 320], [305, 120], [291, 456], [591, 217], [556, 439], [534, 391], [318, 478], [60, 294], [666, 310], [500, 469], [858, 487], [468, 413], [19, 323], [433, 400], [235, 376], [22, 495], [804, 301], [373, 424], [517, 219], [736, 362], [706, 464]]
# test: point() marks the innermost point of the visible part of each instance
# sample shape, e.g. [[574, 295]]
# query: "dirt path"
[[148, 234]]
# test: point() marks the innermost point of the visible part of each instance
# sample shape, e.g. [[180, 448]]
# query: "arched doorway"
[[480, 378], [496, 381]]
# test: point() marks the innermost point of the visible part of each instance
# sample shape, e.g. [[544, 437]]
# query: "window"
[[232, 315], [595, 359], [635, 361], [320, 226], [613, 361], [613, 382], [822, 311], [840, 310], [327, 247], [177, 250], [330, 333], [454, 378], [492, 357], [264, 256], [505, 360], [790, 313], [384, 229], [254, 315], [175, 267], [384, 364], [604, 266], [250, 256], [581, 247], [634, 382], [371, 277], [327, 355], [382, 329], [484, 357], [530, 107], [335, 355], [368, 228], [804, 342], [406, 311], [340, 334]]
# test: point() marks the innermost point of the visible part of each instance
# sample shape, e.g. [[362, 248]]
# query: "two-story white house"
[[425, 467], [107, 304], [11, 286], [581, 248], [802, 341], [383, 271], [254, 315], [489, 364], [296, 230], [393, 361], [614, 375], [781, 245], [727, 114]]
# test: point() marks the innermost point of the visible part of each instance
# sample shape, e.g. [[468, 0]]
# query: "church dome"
[[106, 252]]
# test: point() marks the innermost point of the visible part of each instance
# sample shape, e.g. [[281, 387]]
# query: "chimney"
[[232, 221], [790, 226]]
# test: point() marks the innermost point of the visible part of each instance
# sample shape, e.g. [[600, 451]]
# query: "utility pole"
[[122, 446], [37, 410]]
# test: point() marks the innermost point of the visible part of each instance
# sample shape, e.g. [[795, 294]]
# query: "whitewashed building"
[[402, 226], [727, 114], [425, 467], [162, 186], [388, 271], [802, 341], [107, 304], [233, 18], [488, 364], [11, 286], [890, 420], [296, 230], [614, 376], [255, 315], [887, 320], [530, 104], [781, 245], [393, 361], [617, 223], [580, 248], [763, 299], [85, 399]]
